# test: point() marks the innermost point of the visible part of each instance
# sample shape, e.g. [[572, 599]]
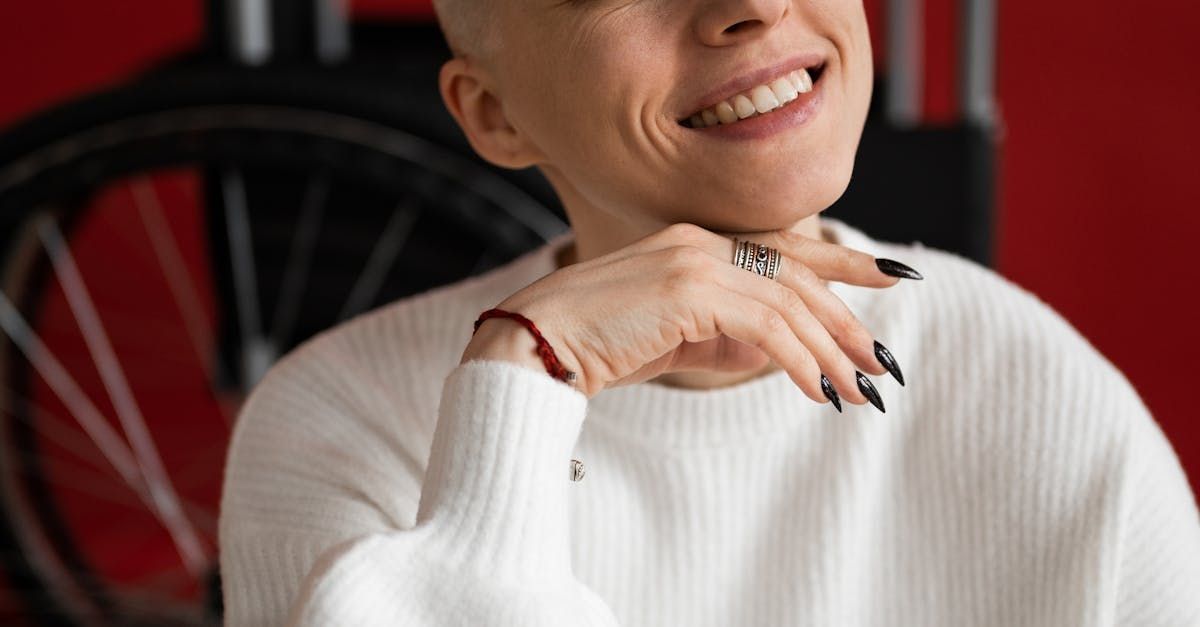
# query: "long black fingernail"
[[885, 357], [831, 393], [868, 390], [892, 267]]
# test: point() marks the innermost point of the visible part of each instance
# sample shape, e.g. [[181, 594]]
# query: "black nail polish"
[[831, 393], [885, 358], [892, 267], [868, 390]]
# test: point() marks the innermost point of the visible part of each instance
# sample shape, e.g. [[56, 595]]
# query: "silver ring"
[[757, 258]]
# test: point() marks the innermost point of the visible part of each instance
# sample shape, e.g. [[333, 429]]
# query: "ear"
[[480, 114]]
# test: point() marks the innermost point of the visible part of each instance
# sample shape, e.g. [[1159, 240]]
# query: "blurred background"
[[190, 188]]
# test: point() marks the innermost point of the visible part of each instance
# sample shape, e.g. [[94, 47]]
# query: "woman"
[[398, 470]]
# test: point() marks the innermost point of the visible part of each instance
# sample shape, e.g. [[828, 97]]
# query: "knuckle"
[[677, 281], [844, 326], [802, 244], [685, 323], [848, 331], [683, 232], [773, 323], [683, 268], [686, 258], [846, 259], [803, 273], [790, 300], [791, 237]]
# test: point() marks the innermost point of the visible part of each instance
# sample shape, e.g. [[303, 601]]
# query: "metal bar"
[[257, 352], [383, 257], [112, 375], [179, 278], [977, 80], [332, 30], [905, 62], [299, 260], [251, 32], [81, 408]]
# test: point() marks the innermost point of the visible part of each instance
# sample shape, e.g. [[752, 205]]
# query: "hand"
[[674, 301]]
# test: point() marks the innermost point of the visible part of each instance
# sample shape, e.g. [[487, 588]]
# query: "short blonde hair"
[[464, 24]]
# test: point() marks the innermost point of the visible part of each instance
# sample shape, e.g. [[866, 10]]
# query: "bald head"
[[465, 25]]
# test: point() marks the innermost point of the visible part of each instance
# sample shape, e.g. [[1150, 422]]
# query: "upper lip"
[[745, 80]]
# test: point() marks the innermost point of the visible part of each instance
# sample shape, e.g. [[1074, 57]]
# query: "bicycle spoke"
[[383, 255], [92, 483], [85, 465], [257, 353], [64, 386], [164, 499], [179, 280], [82, 479], [55, 429], [299, 259]]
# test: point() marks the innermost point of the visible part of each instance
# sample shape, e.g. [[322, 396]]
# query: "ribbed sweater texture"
[[1017, 479]]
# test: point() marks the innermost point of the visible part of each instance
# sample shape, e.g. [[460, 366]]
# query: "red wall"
[[1099, 204]]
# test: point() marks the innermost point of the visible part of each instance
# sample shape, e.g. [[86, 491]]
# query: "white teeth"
[[759, 100], [725, 113], [805, 80], [763, 98], [743, 107], [784, 90], [796, 81]]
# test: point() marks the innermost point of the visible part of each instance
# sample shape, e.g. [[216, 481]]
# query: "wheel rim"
[[75, 505]]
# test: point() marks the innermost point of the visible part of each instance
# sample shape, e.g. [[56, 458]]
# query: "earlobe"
[[480, 115]]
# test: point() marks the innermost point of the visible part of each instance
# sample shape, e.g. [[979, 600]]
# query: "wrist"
[[504, 340]]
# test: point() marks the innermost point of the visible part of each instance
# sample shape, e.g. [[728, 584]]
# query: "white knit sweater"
[[1018, 479]]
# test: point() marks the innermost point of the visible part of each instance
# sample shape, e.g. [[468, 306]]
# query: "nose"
[[727, 22]]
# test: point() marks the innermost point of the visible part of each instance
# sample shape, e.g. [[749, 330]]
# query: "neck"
[[597, 233]]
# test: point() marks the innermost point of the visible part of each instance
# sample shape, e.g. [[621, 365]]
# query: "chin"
[[769, 215], [791, 195]]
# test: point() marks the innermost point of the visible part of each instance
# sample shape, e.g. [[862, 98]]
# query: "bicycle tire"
[[280, 118]]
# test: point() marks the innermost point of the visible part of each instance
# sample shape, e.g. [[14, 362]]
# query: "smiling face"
[[610, 98]]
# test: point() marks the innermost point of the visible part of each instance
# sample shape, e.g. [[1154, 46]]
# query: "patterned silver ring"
[[757, 258]]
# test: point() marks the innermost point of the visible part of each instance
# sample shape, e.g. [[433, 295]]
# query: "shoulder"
[[1006, 396], [987, 357], [987, 331], [355, 406]]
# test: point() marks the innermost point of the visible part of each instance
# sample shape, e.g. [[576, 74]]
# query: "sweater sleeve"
[[1159, 572], [491, 541]]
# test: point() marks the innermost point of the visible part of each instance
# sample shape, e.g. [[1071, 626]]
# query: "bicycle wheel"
[[165, 243]]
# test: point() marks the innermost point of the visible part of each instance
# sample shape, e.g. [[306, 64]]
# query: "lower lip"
[[790, 115]]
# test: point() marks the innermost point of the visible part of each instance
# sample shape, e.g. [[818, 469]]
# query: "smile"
[[757, 100]]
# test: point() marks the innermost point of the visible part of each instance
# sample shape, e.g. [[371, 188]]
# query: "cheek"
[[590, 112]]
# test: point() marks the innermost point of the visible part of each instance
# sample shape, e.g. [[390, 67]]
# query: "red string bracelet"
[[556, 369]]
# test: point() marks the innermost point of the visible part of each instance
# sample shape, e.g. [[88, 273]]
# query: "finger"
[[751, 322], [831, 262], [835, 317], [707, 310], [837, 323], [833, 361]]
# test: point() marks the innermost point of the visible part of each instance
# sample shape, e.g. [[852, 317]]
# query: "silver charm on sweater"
[[576, 470]]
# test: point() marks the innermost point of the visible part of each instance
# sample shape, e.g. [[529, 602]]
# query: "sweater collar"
[[662, 416]]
